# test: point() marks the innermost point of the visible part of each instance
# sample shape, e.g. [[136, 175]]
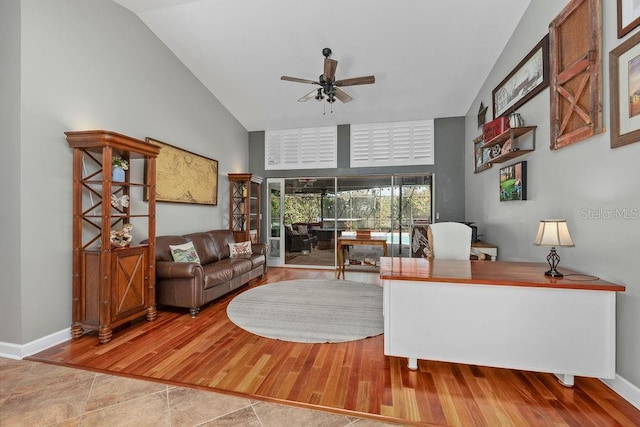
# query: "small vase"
[[117, 174]]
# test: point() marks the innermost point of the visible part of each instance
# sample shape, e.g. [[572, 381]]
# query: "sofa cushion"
[[238, 265], [221, 239], [216, 273], [185, 252], [163, 252], [257, 260], [205, 246]]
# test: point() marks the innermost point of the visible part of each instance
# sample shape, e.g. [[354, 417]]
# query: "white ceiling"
[[429, 57]]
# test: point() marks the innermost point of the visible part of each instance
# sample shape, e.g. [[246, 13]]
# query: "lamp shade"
[[553, 232]]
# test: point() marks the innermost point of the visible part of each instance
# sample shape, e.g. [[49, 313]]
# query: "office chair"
[[449, 240]]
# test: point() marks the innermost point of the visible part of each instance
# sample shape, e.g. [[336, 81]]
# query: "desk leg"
[[413, 363], [565, 379], [340, 262]]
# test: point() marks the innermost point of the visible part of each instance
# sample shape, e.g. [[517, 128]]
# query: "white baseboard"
[[17, 351], [624, 388], [10, 351]]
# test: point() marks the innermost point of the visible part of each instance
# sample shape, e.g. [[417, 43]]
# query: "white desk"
[[500, 314]]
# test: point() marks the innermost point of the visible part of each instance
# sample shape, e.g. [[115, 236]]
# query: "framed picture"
[[628, 16], [513, 182], [185, 177], [624, 80], [481, 156], [526, 80]]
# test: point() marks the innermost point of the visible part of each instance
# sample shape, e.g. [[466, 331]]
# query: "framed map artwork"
[[185, 177]]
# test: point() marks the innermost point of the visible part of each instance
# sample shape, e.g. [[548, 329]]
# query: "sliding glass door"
[[387, 206], [314, 212], [308, 231], [412, 207], [275, 202]]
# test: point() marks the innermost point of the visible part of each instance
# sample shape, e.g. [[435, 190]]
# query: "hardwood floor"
[[354, 378]]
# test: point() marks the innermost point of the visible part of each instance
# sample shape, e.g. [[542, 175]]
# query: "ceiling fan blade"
[[341, 95], [308, 96], [330, 66], [296, 79], [364, 80]]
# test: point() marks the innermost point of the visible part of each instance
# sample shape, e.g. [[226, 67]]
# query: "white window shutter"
[[309, 148], [273, 150], [392, 144]]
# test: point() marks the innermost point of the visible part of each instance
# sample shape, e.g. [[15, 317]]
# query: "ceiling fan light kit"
[[329, 86]]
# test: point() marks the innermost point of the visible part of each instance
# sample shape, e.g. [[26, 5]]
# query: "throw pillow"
[[184, 253], [240, 249], [303, 229]]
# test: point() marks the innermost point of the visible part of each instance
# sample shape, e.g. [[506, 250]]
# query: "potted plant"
[[119, 165]]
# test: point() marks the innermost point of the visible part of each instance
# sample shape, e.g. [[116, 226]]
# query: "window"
[[392, 144], [309, 148]]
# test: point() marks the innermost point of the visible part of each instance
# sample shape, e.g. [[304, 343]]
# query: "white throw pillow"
[[240, 249]]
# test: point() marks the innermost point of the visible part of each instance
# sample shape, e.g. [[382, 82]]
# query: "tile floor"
[[39, 394]]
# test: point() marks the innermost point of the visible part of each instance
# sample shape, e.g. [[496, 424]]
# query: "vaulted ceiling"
[[429, 57]]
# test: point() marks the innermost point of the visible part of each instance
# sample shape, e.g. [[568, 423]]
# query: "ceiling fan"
[[329, 86]]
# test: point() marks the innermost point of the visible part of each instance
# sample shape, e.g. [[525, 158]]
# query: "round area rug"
[[310, 311]]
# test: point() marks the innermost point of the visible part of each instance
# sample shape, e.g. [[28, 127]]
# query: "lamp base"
[[553, 259], [553, 273]]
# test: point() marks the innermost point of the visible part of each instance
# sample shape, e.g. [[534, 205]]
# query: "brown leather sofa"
[[190, 284]]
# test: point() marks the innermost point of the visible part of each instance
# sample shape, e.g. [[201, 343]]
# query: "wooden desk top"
[[487, 273]]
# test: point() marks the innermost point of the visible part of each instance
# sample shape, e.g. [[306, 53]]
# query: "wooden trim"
[[95, 140], [623, 30], [498, 273], [616, 138], [576, 114]]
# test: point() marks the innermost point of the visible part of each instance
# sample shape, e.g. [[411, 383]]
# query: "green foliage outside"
[[361, 209]]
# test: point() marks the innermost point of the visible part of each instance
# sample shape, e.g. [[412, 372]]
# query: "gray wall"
[[581, 183], [90, 64], [10, 297], [448, 169]]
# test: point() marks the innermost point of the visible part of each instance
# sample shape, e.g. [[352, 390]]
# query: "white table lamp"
[[553, 232]]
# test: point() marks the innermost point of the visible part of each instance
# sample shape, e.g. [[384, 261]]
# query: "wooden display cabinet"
[[244, 206], [112, 285]]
